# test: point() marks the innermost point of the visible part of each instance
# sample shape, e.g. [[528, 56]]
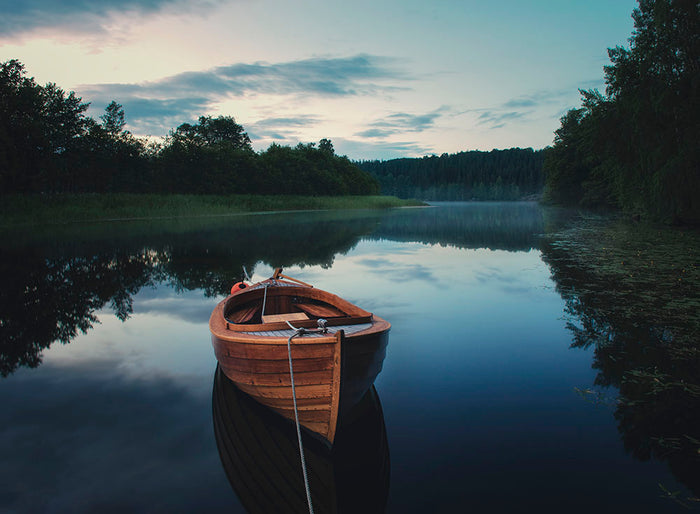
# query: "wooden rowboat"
[[337, 349]]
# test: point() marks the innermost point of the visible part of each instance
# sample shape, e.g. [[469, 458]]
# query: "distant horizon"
[[383, 80]]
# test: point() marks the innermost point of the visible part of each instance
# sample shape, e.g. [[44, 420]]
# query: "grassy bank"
[[19, 210]]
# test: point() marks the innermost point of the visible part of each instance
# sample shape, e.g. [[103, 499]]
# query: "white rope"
[[264, 301], [298, 332]]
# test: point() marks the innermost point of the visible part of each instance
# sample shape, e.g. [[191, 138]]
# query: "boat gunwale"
[[218, 329], [354, 314]]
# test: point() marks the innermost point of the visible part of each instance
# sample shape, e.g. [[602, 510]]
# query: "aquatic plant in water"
[[632, 294]]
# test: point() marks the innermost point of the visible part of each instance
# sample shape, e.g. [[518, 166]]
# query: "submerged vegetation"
[[636, 146], [632, 294]]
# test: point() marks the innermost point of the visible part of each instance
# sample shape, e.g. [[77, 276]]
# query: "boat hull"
[[332, 371]]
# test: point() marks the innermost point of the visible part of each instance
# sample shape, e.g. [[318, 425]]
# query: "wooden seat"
[[320, 311], [244, 315], [290, 316]]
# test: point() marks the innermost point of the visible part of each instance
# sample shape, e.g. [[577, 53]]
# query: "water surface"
[[496, 392]]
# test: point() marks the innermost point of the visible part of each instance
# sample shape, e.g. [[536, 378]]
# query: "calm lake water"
[[498, 393]]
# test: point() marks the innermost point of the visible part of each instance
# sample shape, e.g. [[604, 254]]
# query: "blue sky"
[[381, 79]]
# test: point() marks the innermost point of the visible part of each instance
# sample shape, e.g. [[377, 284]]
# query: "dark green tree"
[[111, 159], [209, 131], [638, 143], [47, 144], [38, 125], [325, 145], [20, 132], [113, 120], [462, 176]]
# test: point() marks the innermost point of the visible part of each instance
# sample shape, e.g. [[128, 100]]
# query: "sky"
[[380, 78]]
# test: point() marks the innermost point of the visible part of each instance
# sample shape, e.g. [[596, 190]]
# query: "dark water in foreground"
[[519, 377]]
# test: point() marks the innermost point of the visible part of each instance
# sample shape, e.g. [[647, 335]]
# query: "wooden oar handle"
[[278, 274]]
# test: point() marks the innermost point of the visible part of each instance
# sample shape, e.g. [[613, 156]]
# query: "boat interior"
[[280, 300], [255, 309]]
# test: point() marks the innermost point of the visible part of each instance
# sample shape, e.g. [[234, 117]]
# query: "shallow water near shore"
[[523, 372]]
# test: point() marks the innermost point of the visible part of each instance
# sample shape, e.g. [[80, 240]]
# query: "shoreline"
[[24, 211]]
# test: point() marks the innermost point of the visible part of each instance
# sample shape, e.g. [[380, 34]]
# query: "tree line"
[[49, 145], [496, 175], [636, 147]]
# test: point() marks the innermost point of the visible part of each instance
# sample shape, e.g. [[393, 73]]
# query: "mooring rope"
[[298, 332], [264, 301]]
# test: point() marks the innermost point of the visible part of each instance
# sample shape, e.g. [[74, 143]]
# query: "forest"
[[496, 175], [635, 147], [49, 145]]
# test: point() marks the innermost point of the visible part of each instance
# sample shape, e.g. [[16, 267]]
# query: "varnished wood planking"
[[279, 300], [276, 351], [335, 386], [285, 294], [320, 311], [244, 315], [311, 323], [285, 392], [271, 379], [290, 316], [307, 415], [276, 366], [321, 428], [255, 356], [302, 403]]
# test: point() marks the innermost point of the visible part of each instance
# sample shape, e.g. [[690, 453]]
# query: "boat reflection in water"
[[259, 452]]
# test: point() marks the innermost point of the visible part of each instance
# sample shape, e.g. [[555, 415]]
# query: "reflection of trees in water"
[[51, 290], [210, 260], [48, 299], [53, 283], [513, 226], [632, 295]]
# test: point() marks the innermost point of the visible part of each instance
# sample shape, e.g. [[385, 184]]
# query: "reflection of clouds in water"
[[190, 306], [106, 443], [381, 305], [389, 246], [517, 290], [398, 271], [491, 274], [375, 263], [506, 281]]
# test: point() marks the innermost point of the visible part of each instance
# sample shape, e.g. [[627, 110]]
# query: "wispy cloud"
[[153, 116], [300, 121], [398, 272], [402, 122], [82, 16], [380, 149], [522, 107], [521, 102], [498, 119], [150, 105], [280, 129]]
